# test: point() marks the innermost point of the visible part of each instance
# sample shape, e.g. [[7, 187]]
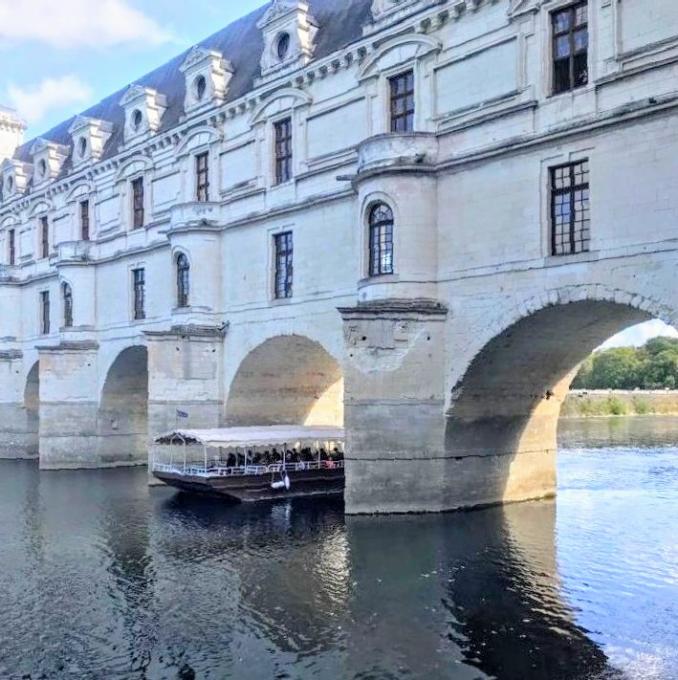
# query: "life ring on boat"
[[284, 483]]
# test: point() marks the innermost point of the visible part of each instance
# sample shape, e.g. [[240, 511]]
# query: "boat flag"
[[181, 414]]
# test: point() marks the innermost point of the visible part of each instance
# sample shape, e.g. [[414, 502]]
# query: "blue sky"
[[61, 56]]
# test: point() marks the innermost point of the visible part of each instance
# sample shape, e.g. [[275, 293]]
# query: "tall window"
[[44, 237], [381, 240], [402, 102], [183, 280], [139, 285], [11, 238], [138, 203], [284, 265], [570, 214], [570, 47], [202, 177], [84, 220], [283, 151], [44, 312], [67, 293]]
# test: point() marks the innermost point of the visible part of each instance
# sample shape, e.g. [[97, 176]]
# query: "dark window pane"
[[283, 151], [381, 240], [284, 265], [570, 47], [402, 102], [570, 223]]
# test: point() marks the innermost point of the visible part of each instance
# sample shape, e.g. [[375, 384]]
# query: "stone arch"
[[32, 407], [123, 410], [287, 379], [502, 414]]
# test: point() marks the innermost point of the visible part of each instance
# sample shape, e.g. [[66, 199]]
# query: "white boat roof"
[[292, 435]]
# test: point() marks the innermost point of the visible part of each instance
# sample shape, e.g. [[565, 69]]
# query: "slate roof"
[[241, 43]]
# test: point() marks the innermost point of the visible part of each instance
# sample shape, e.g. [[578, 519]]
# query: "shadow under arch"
[[122, 420], [32, 409], [503, 417], [287, 380]]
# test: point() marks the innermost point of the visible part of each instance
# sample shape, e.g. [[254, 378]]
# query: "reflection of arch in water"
[[123, 410], [288, 379], [32, 406], [503, 413], [448, 596]]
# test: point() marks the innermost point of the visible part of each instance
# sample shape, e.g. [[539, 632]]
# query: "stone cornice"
[[69, 346], [395, 308], [190, 331]]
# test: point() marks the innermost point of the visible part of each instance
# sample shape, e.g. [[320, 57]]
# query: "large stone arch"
[[122, 420], [32, 409], [287, 379], [503, 408]]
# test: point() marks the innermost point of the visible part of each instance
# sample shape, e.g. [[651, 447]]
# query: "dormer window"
[[289, 33], [208, 75], [144, 109], [48, 159], [16, 176], [89, 137]]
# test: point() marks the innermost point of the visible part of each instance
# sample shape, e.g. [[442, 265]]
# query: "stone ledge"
[[70, 346], [190, 331], [396, 307]]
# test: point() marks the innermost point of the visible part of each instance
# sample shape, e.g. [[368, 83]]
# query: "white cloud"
[[50, 94], [637, 336], [78, 23]]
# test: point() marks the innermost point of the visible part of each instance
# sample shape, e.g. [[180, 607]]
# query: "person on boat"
[[231, 460]]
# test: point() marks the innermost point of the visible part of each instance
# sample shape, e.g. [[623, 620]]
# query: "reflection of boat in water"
[[253, 463]]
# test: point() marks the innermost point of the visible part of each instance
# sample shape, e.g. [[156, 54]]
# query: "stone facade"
[[448, 368]]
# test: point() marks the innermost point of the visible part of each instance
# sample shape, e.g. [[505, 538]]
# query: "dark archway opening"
[[123, 410]]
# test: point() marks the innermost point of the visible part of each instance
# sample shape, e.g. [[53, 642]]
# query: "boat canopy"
[[249, 437]]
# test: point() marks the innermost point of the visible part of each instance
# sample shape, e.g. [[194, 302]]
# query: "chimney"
[[11, 132]]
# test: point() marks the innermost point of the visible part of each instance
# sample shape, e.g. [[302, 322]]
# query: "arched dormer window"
[[183, 280], [381, 240], [67, 295]]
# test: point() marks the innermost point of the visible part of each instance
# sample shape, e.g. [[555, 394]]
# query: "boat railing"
[[219, 469]]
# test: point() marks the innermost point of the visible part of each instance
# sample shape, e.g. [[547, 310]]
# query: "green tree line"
[[651, 367]]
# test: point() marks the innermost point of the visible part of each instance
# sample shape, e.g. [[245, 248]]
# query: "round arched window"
[[42, 168], [200, 87], [183, 280], [381, 240], [137, 119], [82, 146], [10, 183], [283, 46]]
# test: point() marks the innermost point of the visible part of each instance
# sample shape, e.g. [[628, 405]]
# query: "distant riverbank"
[[601, 403]]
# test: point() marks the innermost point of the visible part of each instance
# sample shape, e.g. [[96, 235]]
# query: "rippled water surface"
[[101, 579]]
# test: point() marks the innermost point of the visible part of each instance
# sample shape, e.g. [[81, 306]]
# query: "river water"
[[101, 579]]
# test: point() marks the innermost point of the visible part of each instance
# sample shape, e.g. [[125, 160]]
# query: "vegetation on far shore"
[[651, 367]]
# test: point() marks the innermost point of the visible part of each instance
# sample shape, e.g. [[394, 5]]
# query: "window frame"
[[283, 265], [283, 150], [183, 272], [138, 199], [578, 231], [139, 293], [67, 300], [376, 256], [572, 30], [44, 237], [409, 96], [202, 177], [11, 247], [45, 313], [85, 220]]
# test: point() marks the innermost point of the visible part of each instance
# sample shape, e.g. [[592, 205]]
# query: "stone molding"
[[190, 331], [398, 308], [69, 346], [11, 355]]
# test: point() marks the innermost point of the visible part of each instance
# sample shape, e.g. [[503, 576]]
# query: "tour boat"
[[222, 461]]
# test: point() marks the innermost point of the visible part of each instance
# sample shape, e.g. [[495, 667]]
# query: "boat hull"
[[252, 488]]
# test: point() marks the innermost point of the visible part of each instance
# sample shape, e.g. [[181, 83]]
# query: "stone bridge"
[[443, 270]]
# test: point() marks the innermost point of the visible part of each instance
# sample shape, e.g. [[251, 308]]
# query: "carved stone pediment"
[[144, 108], [89, 137], [207, 75]]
